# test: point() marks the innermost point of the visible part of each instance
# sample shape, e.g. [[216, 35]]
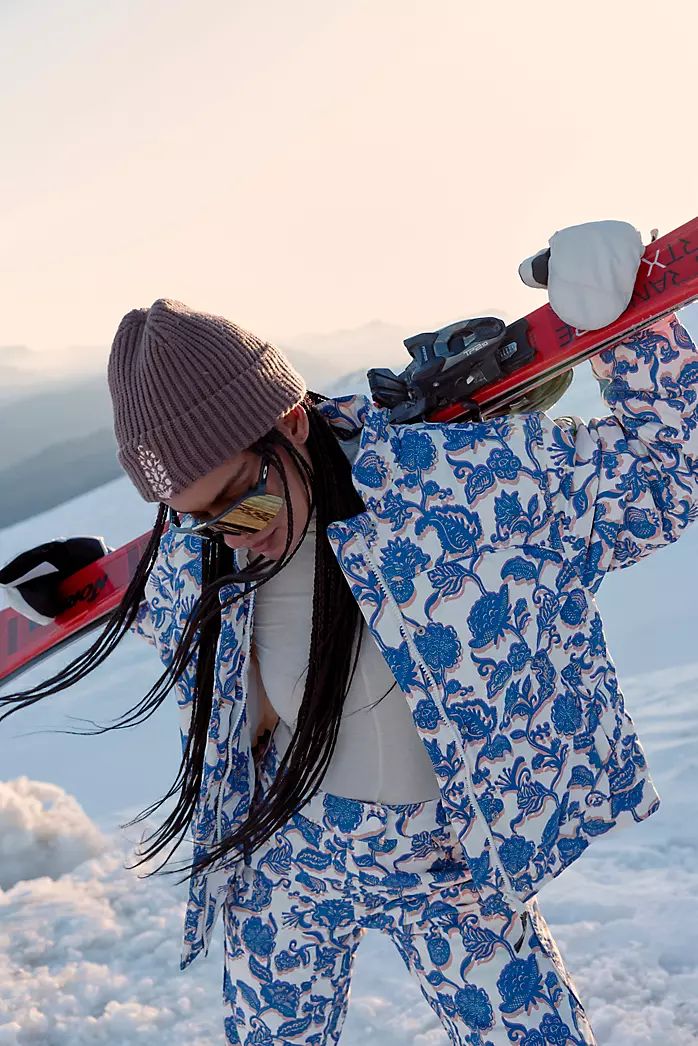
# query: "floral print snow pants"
[[294, 917]]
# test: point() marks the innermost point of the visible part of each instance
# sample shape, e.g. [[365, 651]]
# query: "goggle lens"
[[250, 516]]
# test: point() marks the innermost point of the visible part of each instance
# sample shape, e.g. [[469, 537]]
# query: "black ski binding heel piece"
[[449, 365]]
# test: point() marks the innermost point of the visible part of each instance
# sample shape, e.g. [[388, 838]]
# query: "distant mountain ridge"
[[60, 471], [57, 442], [374, 344], [56, 474], [15, 377], [40, 420]]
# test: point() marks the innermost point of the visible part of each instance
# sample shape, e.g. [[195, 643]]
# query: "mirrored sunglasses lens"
[[251, 515]]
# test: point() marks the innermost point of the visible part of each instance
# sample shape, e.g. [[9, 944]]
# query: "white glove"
[[591, 272]]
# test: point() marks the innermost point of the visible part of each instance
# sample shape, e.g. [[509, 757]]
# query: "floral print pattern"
[[476, 563], [339, 868]]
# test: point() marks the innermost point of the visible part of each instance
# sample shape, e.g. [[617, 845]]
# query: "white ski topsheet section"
[[92, 956]]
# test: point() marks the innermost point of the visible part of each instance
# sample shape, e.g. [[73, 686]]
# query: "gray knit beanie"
[[189, 391]]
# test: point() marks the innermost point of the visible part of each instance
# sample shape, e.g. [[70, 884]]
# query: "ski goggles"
[[248, 514]]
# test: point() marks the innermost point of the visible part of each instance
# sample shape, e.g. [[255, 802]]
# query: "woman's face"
[[211, 494]]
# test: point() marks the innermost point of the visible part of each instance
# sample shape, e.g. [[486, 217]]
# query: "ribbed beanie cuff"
[[190, 390]]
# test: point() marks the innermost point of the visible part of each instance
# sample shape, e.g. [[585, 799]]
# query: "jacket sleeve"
[[627, 484], [144, 624], [155, 619]]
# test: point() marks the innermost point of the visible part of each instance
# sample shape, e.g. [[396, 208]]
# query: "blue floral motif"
[[343, 813], [495, 905], [449, 578], [414, 451], [489, 618], [467, 437], [326, 959], [563, 449], [370, 470], [480, 479], [439, 950], [504, 463], [519, 569], [231, 1033], [554, 1030], [439, 645], [571, 849], [545, 674], [567, 713], [574, 608], [426, 714], [334, 913], [283, 996], [401, 561], [507, 509], [597, 643], [361, 416], [533, 1038], [258, 937], [401, 665], [499, 678], [480, 869], [519, 654], [491, 807], [533, 428], [400, 881], [261, 892], [519, 983], [475, 718], [396, 509], [515, 853], [286, 960], [474, 1007], [639, 522], [458, 529]]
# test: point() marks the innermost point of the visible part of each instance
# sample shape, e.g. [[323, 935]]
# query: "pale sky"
[[309, 165]]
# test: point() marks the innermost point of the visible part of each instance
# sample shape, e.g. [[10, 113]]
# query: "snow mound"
[[93, 958], [43, 832]]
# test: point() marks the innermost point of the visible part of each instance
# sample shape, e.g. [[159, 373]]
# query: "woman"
[[424, 779]]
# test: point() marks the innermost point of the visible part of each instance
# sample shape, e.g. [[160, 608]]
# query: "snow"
[[92, 956], [89, 950], [43, 831]]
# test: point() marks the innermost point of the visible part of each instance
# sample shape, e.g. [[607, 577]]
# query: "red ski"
[[529, 352], [90, 594], [667, 280]]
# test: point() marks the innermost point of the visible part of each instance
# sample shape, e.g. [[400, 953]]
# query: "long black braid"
[[332, 657]]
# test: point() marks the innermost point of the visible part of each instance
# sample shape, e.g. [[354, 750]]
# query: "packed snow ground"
[[91, 956], [89, 952]]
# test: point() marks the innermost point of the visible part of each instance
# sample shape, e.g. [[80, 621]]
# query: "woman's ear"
[[295, 425]]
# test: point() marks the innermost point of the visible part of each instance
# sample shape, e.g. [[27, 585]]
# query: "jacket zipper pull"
[[524, 921]]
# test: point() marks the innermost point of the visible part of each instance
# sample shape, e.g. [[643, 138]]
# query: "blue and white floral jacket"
[[476, 563]]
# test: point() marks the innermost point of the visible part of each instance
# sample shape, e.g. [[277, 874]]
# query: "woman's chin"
[[267, 548], [274, 546]]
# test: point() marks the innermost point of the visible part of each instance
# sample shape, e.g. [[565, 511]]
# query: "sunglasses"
[[247, 515]]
